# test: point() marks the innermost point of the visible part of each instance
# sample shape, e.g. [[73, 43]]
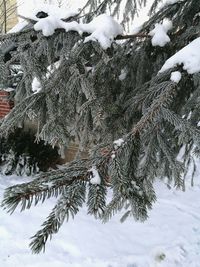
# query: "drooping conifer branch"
[[132, 119]]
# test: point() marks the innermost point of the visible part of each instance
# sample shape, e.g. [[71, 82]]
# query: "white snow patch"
[[189, 115], [95, 177], [36, 84], [54, 20], [181, 154], [4, 233], [123, 75], [159, 33], [88, 69], [49, 24], [169, 238], [113, 156], [18, 27], [118, 143], [49, 184], [176, 76], [189, 56], [165, 3], [170, 2], [103, 29], [52, 10], [9, 89], [136, 29]]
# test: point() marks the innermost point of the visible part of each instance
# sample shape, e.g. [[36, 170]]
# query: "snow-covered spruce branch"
[[70, 24], [16, 117], [130, 191], [67, 206], [40, 188], [71, 189], [163, 99], [45, 186], [59, 182], [119, 37]]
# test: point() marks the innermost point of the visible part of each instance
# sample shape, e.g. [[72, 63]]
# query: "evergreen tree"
[[132, 118]]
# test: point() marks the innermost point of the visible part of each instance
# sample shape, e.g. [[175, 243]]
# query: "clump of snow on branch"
[[94, 176], [170, 2], [123, 75], [36, 85], [189, 56], [159, 33], [18, 27], [51, 10], [167, 3], [54, 20], [175, 76], [103, 29], [136, 29], [118, 143], [113, 155], [50, 24]]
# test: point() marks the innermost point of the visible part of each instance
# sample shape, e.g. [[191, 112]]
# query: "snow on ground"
[[170, 238]]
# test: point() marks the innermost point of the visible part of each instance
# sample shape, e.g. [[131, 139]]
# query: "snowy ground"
[[171, 236]]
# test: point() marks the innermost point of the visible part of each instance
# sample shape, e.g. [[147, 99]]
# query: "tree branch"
[[130, 36], [119, 37]]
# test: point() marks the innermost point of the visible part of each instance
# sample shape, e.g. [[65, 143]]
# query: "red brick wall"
[[5, 104]]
